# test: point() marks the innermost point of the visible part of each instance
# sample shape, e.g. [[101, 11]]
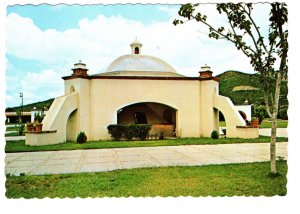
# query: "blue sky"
[[44, 41], [62, 17]]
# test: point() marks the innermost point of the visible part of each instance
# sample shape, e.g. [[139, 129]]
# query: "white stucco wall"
[[109, 95]]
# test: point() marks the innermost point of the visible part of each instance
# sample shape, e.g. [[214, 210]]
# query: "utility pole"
[[21, 95]]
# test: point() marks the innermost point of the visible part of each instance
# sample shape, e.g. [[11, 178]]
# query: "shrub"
[[129, 131], [260, 112], [39, 117], [282, 114], [21, 129], [142, 131], [214, 134], [81, 138], [139, 131], [162, 131], [116, 131]]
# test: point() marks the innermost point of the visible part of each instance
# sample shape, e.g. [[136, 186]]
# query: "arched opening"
[[222, 124], [160, 115], [72, 126], [136, 50], [243, 114]]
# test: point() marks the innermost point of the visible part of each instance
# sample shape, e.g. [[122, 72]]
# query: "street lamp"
[[21, 95]]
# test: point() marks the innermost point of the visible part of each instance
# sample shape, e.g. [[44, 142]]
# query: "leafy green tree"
[[268, 56], [260, 112]]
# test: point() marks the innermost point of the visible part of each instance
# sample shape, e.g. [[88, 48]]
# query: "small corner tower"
[[205, 71], [79, 69], [136, 47]]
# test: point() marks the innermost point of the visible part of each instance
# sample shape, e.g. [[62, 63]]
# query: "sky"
[[44, 41]]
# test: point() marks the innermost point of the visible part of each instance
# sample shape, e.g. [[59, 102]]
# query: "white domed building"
[[138, 89]]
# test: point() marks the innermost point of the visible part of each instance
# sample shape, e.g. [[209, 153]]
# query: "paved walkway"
[[281, 132], [14, 138], [97, 160]]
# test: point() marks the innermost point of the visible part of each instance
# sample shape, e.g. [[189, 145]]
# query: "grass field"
[[13, 134], [19, 146], [266, 123], [249, 179]]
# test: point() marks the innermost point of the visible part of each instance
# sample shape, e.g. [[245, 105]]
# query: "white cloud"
[[99, 41], [35, 87], [171, 11]]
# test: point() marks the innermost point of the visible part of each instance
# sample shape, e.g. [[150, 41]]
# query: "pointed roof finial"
[[136, 47]]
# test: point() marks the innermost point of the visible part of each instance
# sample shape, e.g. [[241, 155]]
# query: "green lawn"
[[266, 123], [19, 146], [13, 134], [250, 179], [13, 128]]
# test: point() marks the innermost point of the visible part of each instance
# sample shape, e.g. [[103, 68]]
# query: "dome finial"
[[136, 47]]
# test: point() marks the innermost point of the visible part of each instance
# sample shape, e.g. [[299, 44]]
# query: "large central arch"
[[147, 113]]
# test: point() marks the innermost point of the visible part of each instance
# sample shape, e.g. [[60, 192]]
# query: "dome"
[[139, 63], [136, 64]]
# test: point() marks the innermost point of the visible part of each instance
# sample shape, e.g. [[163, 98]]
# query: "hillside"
[[241, 86], [29, 107]]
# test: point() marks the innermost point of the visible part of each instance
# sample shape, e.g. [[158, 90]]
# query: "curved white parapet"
[[55, 122], [235, 125]]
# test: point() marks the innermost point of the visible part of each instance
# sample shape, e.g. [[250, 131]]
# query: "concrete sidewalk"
[[14, 138], [280, 132], [97, 160]]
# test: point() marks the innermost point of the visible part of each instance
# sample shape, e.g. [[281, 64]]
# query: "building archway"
[[71, 126], [243, 114], [148, 113], [136, 50], [222, 123]]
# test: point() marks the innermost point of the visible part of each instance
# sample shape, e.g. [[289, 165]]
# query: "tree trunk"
[[273, 145], [274, 125]]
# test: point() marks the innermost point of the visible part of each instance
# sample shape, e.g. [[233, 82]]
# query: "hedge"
[[130, 131]]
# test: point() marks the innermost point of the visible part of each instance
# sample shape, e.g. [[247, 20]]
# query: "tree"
[[268, 56]]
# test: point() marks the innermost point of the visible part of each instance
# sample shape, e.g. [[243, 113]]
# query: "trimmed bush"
[[142, 131], [81, 138], [214, 134], [116, 131], [129, 131]]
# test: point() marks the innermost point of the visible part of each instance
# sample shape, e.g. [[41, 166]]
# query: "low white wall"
[[44, 138]]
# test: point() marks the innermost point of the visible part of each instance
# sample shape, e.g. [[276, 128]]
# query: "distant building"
[[13, 117]]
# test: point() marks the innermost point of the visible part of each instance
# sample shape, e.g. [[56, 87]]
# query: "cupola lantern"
[[136, 47], [205, 71], [79, 69]]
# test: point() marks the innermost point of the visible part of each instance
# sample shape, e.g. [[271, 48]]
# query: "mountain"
[[38, 105], [241, 86]]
